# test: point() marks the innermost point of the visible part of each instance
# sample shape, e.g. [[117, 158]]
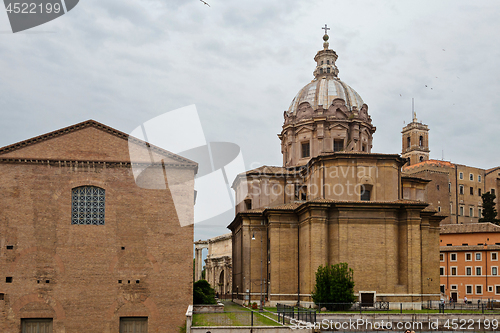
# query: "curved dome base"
[[324, 131]]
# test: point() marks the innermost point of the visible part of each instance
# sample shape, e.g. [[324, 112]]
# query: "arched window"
[[408, 143], [248, 204], [421, 158], [328, 62], [87, 205], [421, 141], [328, 70], [321, 70]]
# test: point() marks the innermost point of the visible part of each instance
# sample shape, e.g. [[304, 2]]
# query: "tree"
[[203, 293], [334, 284], [489, 211]]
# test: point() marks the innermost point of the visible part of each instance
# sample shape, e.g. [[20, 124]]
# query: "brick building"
[[454, 190], [333, 201], [82, 247], [469, 261]]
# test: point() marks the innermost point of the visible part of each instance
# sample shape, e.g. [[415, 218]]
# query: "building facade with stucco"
[[469, 262], [83, 248], [332, 201]]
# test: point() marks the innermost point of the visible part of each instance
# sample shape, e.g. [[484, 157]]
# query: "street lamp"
[[261, 300]]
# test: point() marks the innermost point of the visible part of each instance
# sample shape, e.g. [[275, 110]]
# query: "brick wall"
[[85, 277]]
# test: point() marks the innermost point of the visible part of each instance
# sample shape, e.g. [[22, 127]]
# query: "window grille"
[[87, 205], [338, 145]]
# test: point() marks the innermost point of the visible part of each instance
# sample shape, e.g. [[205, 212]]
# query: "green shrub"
[[203, 293], [334, 284]]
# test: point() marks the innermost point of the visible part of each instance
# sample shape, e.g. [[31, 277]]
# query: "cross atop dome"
[[326, 29], [325, 37]]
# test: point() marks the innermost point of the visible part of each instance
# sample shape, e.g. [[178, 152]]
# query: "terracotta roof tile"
[[467, 248], [287, 206], [469, 228], [266, 169], [437, 163]]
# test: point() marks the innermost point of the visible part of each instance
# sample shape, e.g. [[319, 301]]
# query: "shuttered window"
[[134, 325]]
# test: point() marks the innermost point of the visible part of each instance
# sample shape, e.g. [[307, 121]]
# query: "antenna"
[[442, 155]]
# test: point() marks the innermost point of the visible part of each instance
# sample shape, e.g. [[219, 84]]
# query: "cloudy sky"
[[242, 62]]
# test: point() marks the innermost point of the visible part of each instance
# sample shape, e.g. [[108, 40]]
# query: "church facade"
[[83, 248], [333, 201]]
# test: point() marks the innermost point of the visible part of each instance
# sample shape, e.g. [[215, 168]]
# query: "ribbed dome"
[[323, 92], [325, 117]]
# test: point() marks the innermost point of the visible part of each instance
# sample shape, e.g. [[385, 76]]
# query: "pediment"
[[305, 128], [364, 130], [338, 126], [340, 114], [88, 141]]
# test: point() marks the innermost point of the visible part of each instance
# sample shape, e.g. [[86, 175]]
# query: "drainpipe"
[[456, 193], [486, 261], [323, 179], [284, 189], [298, 263], [447, 277], [268, 242]]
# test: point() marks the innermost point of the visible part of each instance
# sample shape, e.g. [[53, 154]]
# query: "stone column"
[[198, 258], [197, 262]]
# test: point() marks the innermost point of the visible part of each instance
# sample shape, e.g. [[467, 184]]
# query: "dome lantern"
[[325, 59]]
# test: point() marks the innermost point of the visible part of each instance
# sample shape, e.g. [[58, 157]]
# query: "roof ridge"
[[82, 125]]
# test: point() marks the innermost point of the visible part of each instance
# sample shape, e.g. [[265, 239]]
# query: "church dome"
[[324, 91], [326, 116], [326, 87]]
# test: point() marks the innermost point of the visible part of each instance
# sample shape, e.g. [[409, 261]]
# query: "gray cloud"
[[241, 63]]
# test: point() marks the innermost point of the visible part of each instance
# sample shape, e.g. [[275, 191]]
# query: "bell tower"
[[415, 141]]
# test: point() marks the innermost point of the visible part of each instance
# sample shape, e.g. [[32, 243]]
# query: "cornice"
[[91, 163]]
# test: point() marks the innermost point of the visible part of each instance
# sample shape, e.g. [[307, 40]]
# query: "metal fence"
[[356, 306], [232, 318], [287, 312], [462, 307]]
